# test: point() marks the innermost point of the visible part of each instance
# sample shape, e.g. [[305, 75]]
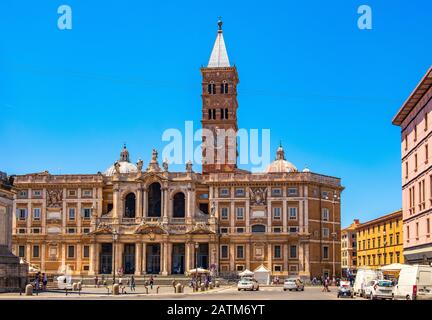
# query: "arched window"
[[224, 87], [129, 207], [154, 200], [179, 205], [211, 88], [258, 228]]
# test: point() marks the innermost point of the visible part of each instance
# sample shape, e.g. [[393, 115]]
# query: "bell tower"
[[219, 110]]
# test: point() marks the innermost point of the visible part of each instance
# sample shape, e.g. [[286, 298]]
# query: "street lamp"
[[115, 237]]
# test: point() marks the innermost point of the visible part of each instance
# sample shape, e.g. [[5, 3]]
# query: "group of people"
[[123, 283], [197, 280], [40, 282]]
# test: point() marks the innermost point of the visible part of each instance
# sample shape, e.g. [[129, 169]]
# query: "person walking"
[[132, 283], [44, 281], [96, 281], [151, 282]]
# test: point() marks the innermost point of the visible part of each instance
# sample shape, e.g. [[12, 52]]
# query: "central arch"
[[129, 207], [154, 200], [179, 205]]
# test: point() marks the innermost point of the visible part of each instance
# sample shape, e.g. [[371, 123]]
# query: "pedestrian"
[[132, 283], [44, 281], [151, 282], [96, 282]]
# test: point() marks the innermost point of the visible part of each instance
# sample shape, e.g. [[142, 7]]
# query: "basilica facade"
[[149, 220]]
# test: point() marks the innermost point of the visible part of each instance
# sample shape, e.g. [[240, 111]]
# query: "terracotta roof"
[[380, 219], [422, 87]]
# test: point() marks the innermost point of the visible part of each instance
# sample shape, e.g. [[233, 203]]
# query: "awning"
[[393, 267], [246, 273]]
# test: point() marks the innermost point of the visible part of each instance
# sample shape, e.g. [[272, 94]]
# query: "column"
[[301, 257], [78, 257], [43, 252], [306, 259], [139, 211], [119, 255], [63, 255], [115, 201], [145, 200], [232, 216], [285, 257], [301, 215], [43, 213], [164, 258], [29, 214], [187, 256], [306, 211], [165, 204], [248, 257], [284, 216], [144, 258], [28, 252], [79, 214], [169, 257], [269, 215], [232, 256], [138, 258], [92, 259], [270, 257], [247, 212]]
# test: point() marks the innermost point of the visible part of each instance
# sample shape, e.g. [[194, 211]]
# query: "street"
[[166, 293]]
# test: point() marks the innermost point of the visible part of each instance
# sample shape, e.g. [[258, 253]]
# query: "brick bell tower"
[[219, 110]]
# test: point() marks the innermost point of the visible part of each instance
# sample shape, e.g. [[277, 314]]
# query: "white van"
[[64, 282], [415, 282], [363, 277]]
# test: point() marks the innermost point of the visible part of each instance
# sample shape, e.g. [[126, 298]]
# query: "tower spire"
[[219, 55]]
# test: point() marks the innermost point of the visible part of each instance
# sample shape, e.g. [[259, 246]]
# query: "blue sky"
[[128, 70]]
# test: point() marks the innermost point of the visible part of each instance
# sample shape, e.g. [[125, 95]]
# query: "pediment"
[[148, 227]]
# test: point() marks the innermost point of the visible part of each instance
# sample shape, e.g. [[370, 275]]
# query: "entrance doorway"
[[153, 258], [129, 258], [178, 258], [203, 255], [106, 258]]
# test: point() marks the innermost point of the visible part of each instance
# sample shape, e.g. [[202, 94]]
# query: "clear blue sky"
[[128, 70]]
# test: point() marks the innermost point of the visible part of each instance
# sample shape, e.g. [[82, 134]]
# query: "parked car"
[[345, 290], [248, 284], [293, 284], [363, 277], [414, 283], [379, 289]]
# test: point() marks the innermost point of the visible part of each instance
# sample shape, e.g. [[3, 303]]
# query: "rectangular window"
[[240, 252], [223, 230], [86, 230], [224, 252], [276, 192], [71, 230], [415, 162], [86, 251], [426, 153], [292, 213], [406, 169], [71, 213], [72, 193], [293, 229], [87, 193], [36, 213], [22, 213], [292, 192], [325, 214], [224, 192], [277, 213], [35, 251], [37, 193], [21, 251], [277, 268], [417, 229], [277, 229], [325, 252], [427, 226], [224, 213], [240, 213], [240, 192], [22, 194], [86, 213], [325, 232], [293, 252], [240, 230], [324, 195], [71, 252], [277, 253]]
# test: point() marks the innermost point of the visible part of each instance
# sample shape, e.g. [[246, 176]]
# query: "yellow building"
[[380, 241]]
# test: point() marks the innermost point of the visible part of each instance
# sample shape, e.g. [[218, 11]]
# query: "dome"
[[280, 164], [124, 165]]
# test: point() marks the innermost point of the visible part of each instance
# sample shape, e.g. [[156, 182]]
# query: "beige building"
[[349, 248], [155, 221], [416, 131]]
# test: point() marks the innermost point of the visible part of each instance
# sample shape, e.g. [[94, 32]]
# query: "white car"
[[379, 289], [293, 284], [248, 284]]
